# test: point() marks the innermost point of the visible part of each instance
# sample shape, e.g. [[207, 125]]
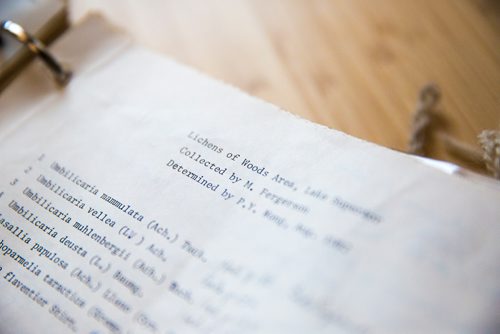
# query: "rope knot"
[[490, 142], [422, 118]]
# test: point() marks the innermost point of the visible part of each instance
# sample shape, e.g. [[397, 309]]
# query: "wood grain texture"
[[355, 66]]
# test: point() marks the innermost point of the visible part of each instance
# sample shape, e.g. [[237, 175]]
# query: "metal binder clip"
[[61, 75]]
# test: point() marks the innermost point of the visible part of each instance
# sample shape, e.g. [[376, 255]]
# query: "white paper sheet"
[[158, 200]]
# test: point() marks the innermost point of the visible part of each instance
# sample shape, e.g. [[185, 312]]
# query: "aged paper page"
[[146, 197]]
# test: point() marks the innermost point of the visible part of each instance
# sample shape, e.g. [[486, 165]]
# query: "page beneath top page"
[[146, 197]]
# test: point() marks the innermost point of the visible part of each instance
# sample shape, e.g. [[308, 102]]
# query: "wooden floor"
[[356, 66]]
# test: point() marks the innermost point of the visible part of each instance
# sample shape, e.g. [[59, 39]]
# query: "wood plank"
[[356, 66]]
